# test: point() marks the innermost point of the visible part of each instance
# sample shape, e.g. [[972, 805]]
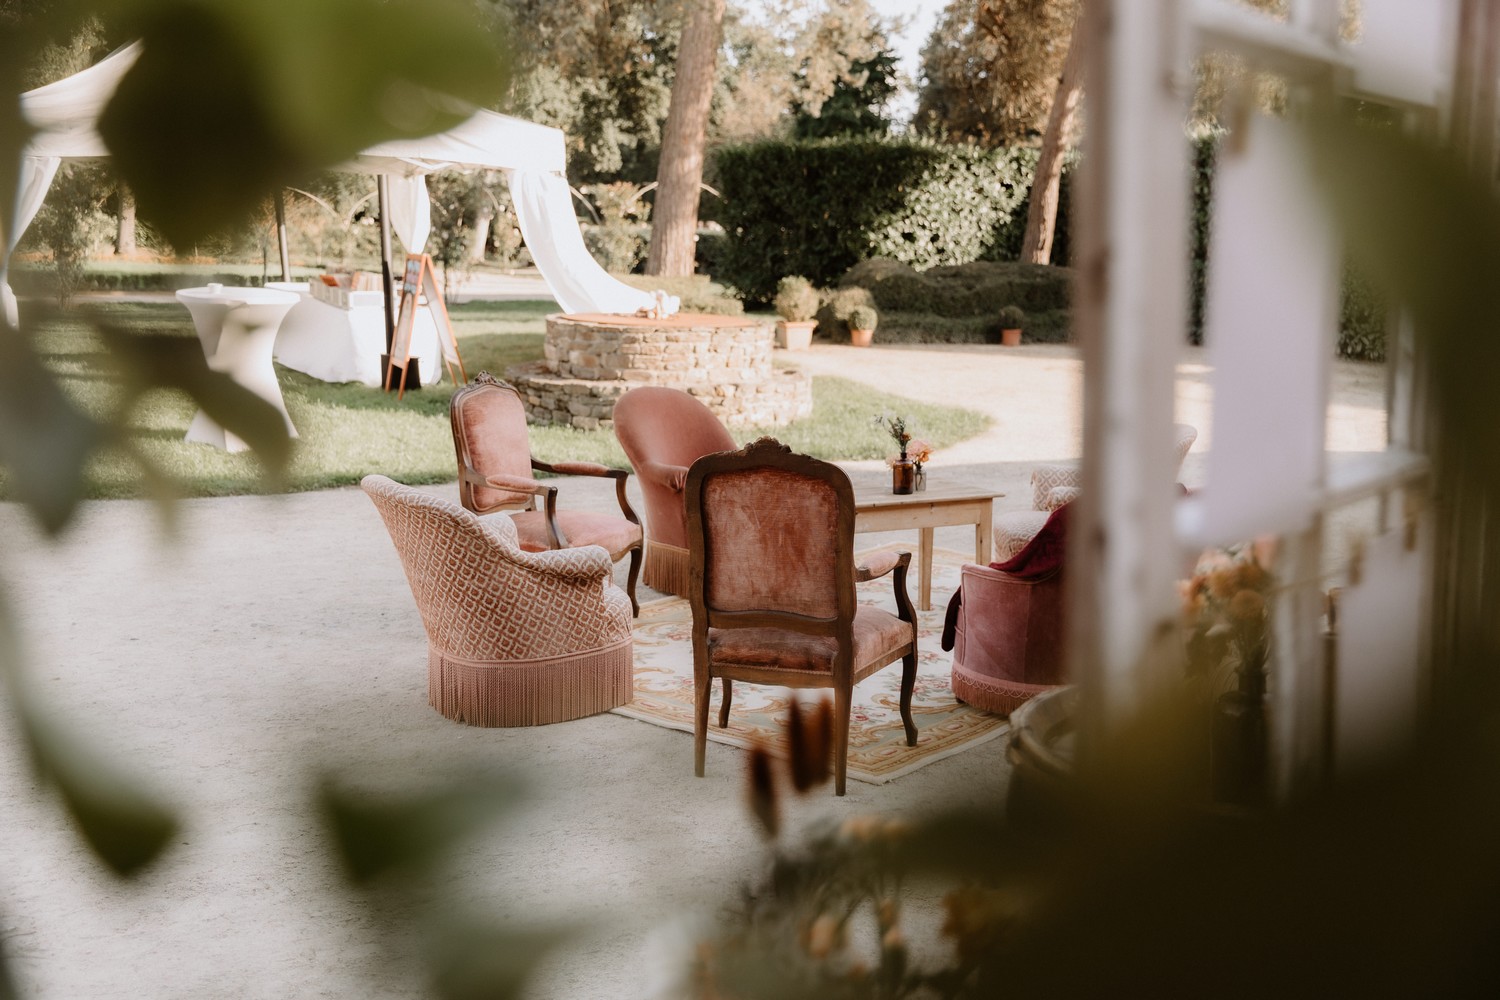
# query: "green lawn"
[[349, 430]]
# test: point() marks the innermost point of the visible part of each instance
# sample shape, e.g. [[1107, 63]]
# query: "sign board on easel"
[[419, 288]]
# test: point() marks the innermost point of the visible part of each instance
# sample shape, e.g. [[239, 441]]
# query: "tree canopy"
[[989, 70]]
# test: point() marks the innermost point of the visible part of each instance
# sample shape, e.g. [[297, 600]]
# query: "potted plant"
[[1011, 320], [862, 320], [796, 302]]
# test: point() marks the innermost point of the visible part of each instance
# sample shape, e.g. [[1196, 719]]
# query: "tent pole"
[[383, 197], [286, 266]]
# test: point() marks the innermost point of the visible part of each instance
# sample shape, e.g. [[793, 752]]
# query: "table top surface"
[[939, 492]]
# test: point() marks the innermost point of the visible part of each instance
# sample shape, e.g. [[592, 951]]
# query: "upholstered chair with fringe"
[[1005, 624], [1056, 483], [664, 431], [496, 473], [773, 574], [515, 638]]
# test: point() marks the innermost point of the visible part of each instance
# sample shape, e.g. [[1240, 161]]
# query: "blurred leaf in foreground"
[[45, 441], [376, 834], [125, 825], [231, 101]]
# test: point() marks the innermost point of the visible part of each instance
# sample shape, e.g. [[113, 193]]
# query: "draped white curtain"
[[64, 114], [411, 211], [545, 211]]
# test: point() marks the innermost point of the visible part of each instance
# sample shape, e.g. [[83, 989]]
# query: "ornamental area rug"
[[877, 742]]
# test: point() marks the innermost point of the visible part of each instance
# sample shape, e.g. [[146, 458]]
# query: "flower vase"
[[903, 476], [920, 483]]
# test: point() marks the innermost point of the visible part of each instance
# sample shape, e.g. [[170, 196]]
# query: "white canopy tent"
[[533, 157]]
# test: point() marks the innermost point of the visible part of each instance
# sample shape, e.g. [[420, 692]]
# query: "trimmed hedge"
[[817, 208], [980, 288], [1362, 310]]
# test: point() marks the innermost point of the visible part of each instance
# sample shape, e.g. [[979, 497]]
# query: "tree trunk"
[[1041, 217], [125, 234], [482, 223], [674, 221]]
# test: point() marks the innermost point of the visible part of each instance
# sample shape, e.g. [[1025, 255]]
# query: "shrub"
[[710, 250], [979, 289], [1012, 318], [698, 293], [838, 303], [796, 300], [1362, 319], [788, 211], [863, 318], [619, 247]]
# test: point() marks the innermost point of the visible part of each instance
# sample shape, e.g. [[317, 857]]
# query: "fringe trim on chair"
[[668, 569], [531, 692], [993, 694]]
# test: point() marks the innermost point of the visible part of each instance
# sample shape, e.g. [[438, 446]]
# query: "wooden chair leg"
[[842, 698], [700, 723], [635, 572], [908, 684], [724, 708]]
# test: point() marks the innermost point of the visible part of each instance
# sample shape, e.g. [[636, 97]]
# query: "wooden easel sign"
[[419, 283]]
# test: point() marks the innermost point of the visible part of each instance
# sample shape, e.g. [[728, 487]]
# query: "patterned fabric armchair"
[[1054, 484], [495, 467], [663, 431], [772, 540], [515, 638]]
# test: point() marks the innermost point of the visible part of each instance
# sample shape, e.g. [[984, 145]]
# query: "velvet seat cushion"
[[877, 635], [612, 533]]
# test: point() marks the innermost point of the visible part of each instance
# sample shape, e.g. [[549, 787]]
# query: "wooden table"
[[940, 505]]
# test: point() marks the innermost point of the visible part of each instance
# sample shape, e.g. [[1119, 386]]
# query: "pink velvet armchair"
[[664, 431], [515, 638], [772, 540], [495, 467], [1005, 625]]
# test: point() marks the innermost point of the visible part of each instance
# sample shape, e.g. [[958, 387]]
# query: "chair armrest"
[[574, 468], [1050, 475], [518, 484], [620, 476], [1060, 495], [673, 477], [878, 565], [583, 564]]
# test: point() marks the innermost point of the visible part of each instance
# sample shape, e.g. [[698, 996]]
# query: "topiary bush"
[[863, 318], [838, 303], [787, 206], [796, 300]]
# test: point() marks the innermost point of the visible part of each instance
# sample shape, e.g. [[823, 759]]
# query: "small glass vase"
[[903, 476], [921, 479]]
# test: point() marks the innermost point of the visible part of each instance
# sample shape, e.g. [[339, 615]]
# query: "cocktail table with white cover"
[[938, 506], [237, 328]]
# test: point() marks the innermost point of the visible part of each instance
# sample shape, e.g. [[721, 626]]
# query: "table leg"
[[924, 572], [984, 542]]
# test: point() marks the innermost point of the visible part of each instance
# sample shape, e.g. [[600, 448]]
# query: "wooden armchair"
[[495, 467], [771, 537], [663, 431]]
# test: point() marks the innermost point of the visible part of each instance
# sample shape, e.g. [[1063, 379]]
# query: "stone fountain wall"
[[725, 361]]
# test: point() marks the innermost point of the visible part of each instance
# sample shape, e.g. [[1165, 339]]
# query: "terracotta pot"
[[861, 338], [795, 335], [1010, 338]]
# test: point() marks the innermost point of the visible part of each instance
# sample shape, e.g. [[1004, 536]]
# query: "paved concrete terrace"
[[271, 638]]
